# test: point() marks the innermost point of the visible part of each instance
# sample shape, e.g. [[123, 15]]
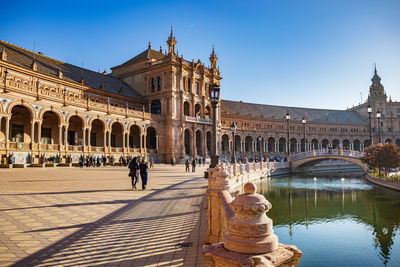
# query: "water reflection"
[[346, 214]]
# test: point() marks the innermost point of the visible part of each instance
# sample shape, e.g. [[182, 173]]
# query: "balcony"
[[198, 120]]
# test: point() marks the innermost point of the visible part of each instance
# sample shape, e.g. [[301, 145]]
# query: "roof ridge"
[[282, 106], [41, 55]]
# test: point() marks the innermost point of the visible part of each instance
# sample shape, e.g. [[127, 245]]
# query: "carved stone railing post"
[[250, 239], [218, 182]]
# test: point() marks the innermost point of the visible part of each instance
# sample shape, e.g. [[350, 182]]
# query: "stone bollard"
[[250, 239]]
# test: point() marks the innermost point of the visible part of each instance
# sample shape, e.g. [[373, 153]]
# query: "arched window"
[[186, 108], [159, 84], [153, 85]]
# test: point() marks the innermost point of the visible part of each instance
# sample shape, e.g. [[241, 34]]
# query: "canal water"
[[335, 221]]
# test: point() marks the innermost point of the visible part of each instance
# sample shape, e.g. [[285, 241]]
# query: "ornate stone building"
[[156, 104], [263, 129]]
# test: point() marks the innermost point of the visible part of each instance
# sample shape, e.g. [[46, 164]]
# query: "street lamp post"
[[214, 96], [369, 110], [259, 141], [378, 116], [233, 129], [287, 117], [304, 121]]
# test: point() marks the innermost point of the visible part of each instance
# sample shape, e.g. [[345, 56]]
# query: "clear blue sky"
[[297, 53]]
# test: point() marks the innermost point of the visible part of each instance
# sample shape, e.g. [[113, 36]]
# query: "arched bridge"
[[308, 159]]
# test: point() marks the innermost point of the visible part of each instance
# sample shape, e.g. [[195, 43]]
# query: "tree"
[[380, 156]]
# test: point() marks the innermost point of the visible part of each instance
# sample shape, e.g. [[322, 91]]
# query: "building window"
[[188, 85], [155, 107], [197, 88], [159, 84], [398, 112], [153, 85], [93, 139]]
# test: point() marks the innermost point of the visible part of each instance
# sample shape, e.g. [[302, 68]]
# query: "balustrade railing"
[[327, 152]]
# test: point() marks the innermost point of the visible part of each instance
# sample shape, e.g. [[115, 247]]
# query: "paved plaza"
[[91, 217]]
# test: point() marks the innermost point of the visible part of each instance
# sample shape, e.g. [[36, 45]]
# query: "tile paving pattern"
[[91, 217]]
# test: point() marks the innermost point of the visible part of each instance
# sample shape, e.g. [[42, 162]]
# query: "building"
[[156, 104]]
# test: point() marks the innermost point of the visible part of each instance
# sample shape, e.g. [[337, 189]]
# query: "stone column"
[[39, 133], [59, 136], [127, 140], [84, 138], [66, 135], [32, 133], [104, 139], [88, 137], [8, 119]]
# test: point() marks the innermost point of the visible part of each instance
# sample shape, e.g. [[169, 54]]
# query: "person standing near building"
[[194, 165], [187, 164], [144, 170], [133, 171], [151, 162]]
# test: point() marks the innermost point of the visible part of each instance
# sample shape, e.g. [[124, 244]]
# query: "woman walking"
[[144, 172], [134, 172]]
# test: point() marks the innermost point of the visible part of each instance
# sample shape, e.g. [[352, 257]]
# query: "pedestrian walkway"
[[90, 217]]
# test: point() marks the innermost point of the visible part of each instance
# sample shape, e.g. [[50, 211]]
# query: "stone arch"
[[50, 130], [75, 114], [198, 110], [282, 144], [303, 144], [237, 143], [208, 142], [335, 144], [207, 112], [97, 131], [398, 141], [388, 140], [308, 163], [271, 144], [225, 143], [259, 145], [314, 143], [20, 124], [55, 111], [367, 143], [29, 107], [346, 144], [199, 142], [325, 143], [248, 143], [100, 119], [76, 124], [134, 133], [151, 138], [357, 145], [117, 130], [293, 145], [186, 108]]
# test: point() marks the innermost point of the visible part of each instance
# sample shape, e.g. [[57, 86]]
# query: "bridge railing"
[[327, 152]]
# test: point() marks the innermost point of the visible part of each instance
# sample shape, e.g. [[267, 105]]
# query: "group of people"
[[193, 162], [91, 161], [138, 167]]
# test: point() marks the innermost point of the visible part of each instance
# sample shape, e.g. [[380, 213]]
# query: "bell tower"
[[171, 43], [376, 89], [213, 59]]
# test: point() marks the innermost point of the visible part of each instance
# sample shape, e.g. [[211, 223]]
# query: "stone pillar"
[[104, 139], [84, 136], [60, 136], [250, 239], [32, 133], [39, 133], [8, 119], [66, 135], [88, 137], [127, 140]]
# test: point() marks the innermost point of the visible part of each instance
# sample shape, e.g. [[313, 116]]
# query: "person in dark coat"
[[194, 165], [144, 170], [133, 171]]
